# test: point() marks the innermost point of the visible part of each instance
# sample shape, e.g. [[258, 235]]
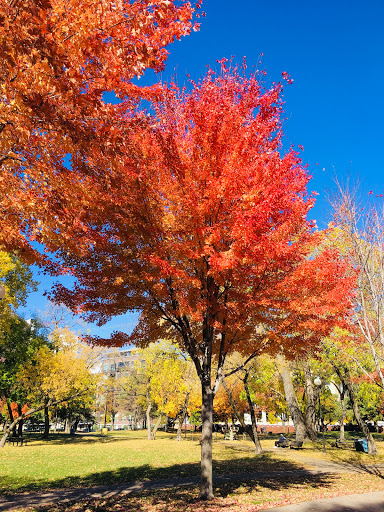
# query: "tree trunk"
[[343, 416], [156, 426], [148, 417], [21, 422], [75, 424], [182, 417], [372, 449], [55, 422], [310, 412], [105, 413], [46, 423], [206, 486], [290, 396], [10, 414], [255, 437]]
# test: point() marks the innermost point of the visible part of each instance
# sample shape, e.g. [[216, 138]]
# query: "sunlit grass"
[[65, 461]]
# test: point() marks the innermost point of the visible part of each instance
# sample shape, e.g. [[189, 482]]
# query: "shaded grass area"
[[90, 460], [66, 472], [231, 497]]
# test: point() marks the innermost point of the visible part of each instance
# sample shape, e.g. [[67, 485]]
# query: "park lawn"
[[65, 461]]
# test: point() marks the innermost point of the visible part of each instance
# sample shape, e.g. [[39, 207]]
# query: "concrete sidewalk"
[[368, 502]]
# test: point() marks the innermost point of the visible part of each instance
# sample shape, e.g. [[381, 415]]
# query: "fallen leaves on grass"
[[231, 497]]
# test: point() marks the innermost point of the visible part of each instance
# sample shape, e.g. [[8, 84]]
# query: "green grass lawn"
[[65, 461], [73, 461]]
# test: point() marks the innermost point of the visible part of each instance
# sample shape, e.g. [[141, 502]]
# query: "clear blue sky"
[[334, 51]]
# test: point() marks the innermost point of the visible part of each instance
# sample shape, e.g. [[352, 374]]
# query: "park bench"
[[360, 445], [227, 436], [282, 444], [344, 444], [17, 441], [296, 445]]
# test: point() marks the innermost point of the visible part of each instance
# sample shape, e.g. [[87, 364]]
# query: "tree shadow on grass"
[[61, 439], [263, 466], [357, 462], [274, 483], [179, 499], [79, 438], [360, 466]]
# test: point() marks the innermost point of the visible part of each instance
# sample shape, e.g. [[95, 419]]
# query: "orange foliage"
[[223, 408], [203, 228], [58, 57], [14, 409], [194, 218]]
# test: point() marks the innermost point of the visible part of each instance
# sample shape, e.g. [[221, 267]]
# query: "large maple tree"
[[190, 214], [58, 58], [203, 229]]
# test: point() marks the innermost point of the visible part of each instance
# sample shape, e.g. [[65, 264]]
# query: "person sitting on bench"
[[282, 442]]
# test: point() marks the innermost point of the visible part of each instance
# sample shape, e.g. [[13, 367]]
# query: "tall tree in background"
[[249, 389], [161, 371], [295, 411], [203, 229], [360, 235], [349, 358], [18, 347], [303, 412], [58, 58], [19, 339], [16, 278], [53, 377], [231, 388]]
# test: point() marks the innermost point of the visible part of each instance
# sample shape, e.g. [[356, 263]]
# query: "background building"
[[117, 407]]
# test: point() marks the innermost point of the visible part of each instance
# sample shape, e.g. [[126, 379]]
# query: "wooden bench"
[[17, 441], [296, 445], [344, 444], [227, 436]]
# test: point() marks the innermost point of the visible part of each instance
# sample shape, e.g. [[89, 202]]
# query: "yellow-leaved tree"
[[57, 374], [169, 383], [16, 282]]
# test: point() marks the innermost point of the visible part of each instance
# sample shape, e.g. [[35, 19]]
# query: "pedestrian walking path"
[[368, 502], [371, 502]]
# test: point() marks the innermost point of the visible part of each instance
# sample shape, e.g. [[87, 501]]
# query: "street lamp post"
[[318, 383], [185, 426]]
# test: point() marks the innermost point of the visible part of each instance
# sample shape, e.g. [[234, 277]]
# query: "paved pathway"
[[371, 502], [368, 502]]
